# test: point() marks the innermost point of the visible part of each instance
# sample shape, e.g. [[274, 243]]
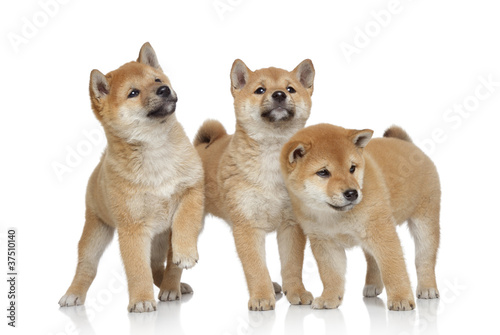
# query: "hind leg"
[[95, 238], [159, 248], [425, 232]]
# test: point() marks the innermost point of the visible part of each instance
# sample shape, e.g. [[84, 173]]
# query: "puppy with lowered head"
[[347, 190], [148, 186], [244, 185]]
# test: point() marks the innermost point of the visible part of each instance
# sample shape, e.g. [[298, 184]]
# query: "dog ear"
[[295, 151], [239, 75], [99, 86], [360, 138], [147, 56], [305, 74]]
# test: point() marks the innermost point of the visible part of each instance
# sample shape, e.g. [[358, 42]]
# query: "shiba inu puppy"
[[244, 185], [348, 191], [148, 186]]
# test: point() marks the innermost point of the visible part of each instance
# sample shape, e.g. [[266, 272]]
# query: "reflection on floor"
[[295, 320]]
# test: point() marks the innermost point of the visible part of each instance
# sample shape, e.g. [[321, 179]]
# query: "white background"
[[427, 58]]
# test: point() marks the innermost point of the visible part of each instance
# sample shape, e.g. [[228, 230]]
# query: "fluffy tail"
[[397, 132], [209, 131]]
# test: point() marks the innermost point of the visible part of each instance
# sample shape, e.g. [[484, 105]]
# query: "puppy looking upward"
[[148, 186]]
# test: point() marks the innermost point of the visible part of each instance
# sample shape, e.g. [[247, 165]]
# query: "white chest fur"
[[346, 229], [161, 169], [264, 200], [161, 172]]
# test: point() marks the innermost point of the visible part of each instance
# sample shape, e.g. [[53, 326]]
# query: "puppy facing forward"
[[148, 186], [243, 181], [347, 190]]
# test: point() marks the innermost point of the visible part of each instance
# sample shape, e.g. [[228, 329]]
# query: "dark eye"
[[260, 90], [158, 80], [291, 89], [323, 173], [352, 169], [134, 93]]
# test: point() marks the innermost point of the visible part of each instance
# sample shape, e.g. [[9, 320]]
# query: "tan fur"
[[395, 182], [148, 186], [210, 131], [244, 185], [397, 132]]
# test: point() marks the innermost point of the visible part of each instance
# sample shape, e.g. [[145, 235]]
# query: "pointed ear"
[[298, 152], [360, 138], [305, 74], [293, 151], [147, 56], [99, 86], [239, 75]]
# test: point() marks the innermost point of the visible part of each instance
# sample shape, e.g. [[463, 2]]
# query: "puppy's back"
[[409, 174]]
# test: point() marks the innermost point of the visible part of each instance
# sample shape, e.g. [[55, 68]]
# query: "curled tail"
[[209, 131], [397, 132]]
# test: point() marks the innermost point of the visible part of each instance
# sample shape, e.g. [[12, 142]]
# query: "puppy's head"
[[272, 101], [323, 166], [134, 99]]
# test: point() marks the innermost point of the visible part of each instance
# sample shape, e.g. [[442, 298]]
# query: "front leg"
[[331, 261], [135, 248], [373, 282], [186, 227], [291, 245], [250, 245], [383, 243]]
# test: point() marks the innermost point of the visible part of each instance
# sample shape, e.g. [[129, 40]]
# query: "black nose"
[[163, 91], [279, 96], [351, 195]]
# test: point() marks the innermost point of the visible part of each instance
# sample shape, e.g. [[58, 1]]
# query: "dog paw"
[[327, 303], [401, 304], [371, 291], [174, 294], [142, 306], [299, 297], [169, 295], [277, 287], [186, 288], [427, 293], [185, 260], [262, 304], [69, 300]]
